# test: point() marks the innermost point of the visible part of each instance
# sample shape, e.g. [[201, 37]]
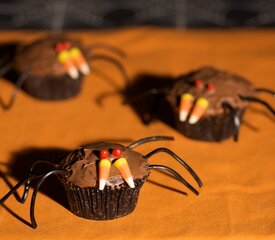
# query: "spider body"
[[82, 171]]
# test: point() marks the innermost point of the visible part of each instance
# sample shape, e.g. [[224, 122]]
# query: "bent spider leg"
[[254, 99], [116, 63], [266, 90], [19, 184], [18, 85], [113, 49], [44, 177], [108, 79], [149, 139], [236, 120], [30, 173], [153, 91], [176, 175], [99, 100], [181, 161]]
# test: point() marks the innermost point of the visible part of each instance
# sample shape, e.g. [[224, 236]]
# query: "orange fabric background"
[[238, 196]]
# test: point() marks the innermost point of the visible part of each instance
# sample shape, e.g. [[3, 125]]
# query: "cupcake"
[[209, 103], [106, 178], [206, 104], [116, 198], [102, 180], [52, 68]]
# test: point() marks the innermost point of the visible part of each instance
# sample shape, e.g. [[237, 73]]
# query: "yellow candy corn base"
[[88, 202]]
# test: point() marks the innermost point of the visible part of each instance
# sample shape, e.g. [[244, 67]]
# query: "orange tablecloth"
[[238, 196]]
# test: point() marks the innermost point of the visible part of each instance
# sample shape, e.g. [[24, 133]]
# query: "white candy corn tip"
[[73, 73], [130, 182], [85, 69], [102, 183], [183, 116], [193, 119]]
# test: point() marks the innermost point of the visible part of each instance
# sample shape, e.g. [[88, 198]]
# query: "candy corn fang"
[[65, 59], [123, 167], [185, 106], [104, 169], [73, 73], [80, 61], [198, 111]]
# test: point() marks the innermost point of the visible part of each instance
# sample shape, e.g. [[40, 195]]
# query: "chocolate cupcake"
[[49, 76], [116, 198], [207, 104], [53, 68], [103, 180]]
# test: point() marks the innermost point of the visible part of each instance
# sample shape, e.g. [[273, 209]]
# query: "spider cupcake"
[[207, 104], [102, 180], [53, 68]]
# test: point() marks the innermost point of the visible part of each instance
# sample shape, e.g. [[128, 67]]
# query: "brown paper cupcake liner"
[[210, 128], [52, 88], [111, 203]]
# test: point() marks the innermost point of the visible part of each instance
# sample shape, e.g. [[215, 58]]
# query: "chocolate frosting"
[[227, 88], [41, 57], [83, 165]]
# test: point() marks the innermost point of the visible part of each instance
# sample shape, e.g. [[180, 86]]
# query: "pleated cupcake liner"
[[52, 88], [210, 128], [111, 203]]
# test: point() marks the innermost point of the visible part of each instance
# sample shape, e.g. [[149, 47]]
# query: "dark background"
[[73, 14]]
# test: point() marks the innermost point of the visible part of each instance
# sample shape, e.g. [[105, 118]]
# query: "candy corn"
[[122, 165], [104, 169], [198, 111], [185, 106], [79, 60], [65, 58]]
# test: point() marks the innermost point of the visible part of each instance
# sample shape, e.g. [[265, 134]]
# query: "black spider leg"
[[254, 99], [175, 174], [19, 184], [181, 161], [24, 181], [44, 177], [27, 181], [30, 173], [115, 62], [149, 139], [236, 120], [113, 49], [18, 85], [266, 90]]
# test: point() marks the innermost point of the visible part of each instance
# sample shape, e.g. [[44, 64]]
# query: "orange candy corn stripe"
[[199, 110], [185, 106], [79, 60], [104, 169], [123, 167]]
